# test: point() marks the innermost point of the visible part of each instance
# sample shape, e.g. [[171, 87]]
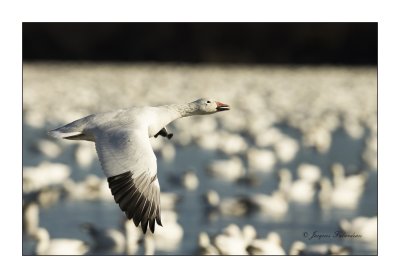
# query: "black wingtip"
[[136, 222], [139, 204], [170, 136], [144, 226], [152, 224], [158, 219]]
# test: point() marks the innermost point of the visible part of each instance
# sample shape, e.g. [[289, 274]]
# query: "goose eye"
[[208, 101]]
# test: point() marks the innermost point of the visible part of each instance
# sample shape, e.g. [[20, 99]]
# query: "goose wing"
[[130, 165]]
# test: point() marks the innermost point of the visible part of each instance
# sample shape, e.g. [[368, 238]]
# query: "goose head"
[[205, 106]]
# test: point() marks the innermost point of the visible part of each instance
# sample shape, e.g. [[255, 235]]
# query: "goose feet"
[[164, 133]]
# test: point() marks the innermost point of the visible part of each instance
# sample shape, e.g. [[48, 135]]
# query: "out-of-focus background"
[[290, 169]]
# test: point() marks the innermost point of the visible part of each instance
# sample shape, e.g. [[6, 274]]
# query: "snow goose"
[[122, 143], [286, 149], [366, 227], [268, 137], [300, 248], [30, 218], [133, 236], [271, 245], [58, 246], [231, 241], [43, 175], [44, 197], [48, 148], [149, 245], [249, 234], [260, 160], [318, 137], [205, 246], [274, 205], [84, 155], [353, 182], [172, 234], [190, 180], [230, 169], [229, 206], [337, 196], [91, 188], [105, 240], [299, 191], [169, 200], [231, 144], [309, 172]]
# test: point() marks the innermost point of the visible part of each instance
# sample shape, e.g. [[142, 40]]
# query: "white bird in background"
[[271, 245], [58, 246], [105, 239], [366, 227], [299, 191], [126, 156], [300, 248]]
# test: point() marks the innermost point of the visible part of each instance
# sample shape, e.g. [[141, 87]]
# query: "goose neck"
[[183, 110]]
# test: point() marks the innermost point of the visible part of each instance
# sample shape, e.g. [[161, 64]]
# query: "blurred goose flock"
[[291, 169]]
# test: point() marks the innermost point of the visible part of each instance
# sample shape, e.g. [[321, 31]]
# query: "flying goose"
[[122, 143]]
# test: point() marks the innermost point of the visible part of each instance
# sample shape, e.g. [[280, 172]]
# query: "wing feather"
[[130, 165]]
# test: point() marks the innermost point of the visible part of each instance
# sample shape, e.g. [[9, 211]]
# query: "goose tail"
[[72, 131]]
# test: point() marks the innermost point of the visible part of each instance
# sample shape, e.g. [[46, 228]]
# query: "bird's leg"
[[164, 133]]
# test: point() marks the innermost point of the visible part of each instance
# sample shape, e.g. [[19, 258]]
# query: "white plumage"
[[125, 153]]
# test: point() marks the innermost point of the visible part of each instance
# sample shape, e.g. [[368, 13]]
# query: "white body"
[[126, 155]]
